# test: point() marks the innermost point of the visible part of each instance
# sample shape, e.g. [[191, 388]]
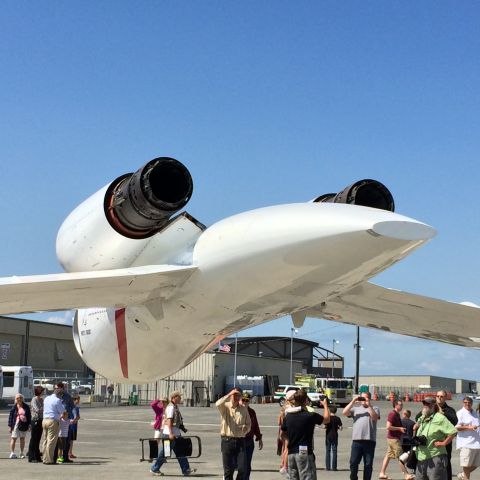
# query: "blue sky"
[[266, 103]]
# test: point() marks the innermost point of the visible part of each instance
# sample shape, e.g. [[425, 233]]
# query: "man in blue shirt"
[[52, 411]]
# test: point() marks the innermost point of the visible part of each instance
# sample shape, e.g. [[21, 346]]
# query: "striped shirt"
[[64, 424]]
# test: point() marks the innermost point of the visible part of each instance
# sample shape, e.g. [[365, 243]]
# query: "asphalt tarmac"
[[108, 446]]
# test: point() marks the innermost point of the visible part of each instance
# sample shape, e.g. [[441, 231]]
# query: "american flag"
[[224, 348]]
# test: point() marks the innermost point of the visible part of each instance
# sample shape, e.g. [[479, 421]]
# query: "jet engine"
[[138, 205], [368, 193], [114, 226]]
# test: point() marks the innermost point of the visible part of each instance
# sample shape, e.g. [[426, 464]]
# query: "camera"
[[361, 399], [322, 397], [403, 458], [419, 441]]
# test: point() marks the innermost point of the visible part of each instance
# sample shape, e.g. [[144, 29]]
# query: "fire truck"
[[338, 390]]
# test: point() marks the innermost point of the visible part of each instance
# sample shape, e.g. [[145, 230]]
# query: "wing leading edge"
[[369, 305], [106, 288]]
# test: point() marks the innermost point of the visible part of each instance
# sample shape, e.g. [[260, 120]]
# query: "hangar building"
[[50, 350]]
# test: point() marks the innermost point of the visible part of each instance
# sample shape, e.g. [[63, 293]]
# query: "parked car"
[[47, 383]]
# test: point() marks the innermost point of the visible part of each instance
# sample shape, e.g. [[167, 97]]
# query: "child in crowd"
[[331, 439], [282, 443], [63, 434], [159, 405], [74, 425]]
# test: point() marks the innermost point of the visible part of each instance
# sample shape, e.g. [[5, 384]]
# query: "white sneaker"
[[461, 476], [13, 455], [283, 470], [22, 455], [189, 472]]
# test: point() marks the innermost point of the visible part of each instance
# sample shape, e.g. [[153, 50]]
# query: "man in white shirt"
[[52, 411], [173, 425], [468, 438]]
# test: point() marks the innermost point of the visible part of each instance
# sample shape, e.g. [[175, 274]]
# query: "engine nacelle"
[[138, 205], [368, 193], [112, 227], [129, 345]]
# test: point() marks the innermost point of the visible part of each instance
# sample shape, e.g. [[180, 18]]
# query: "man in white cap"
[[468, 438]]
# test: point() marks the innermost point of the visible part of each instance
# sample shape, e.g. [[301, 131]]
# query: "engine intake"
[[368, 193], [137, 205]]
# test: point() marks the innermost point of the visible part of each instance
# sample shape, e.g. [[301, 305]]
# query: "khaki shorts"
[[16, 433], [394, 448], [470, 457]]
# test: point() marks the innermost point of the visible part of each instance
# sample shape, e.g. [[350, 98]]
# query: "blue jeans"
[[331, 453], [249, 448], [157, 464], [233, 457], [362, 449]]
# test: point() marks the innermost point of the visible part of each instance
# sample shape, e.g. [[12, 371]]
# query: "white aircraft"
[[153, 290]]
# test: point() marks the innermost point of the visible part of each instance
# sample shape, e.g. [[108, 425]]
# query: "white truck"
[[17, 379], [47, 383], [281, 391], [76, 386]]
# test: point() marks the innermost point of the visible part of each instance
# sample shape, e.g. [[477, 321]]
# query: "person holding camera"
[[450, 413], [173, 426], [364, 434], [395, 431], [434, 433], [299, 428]]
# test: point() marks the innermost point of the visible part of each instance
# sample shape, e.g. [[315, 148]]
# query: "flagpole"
[[235, 362]]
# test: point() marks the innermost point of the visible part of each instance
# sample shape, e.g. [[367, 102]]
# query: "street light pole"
[[333, 357], [235, 362], [292, 331], [357, 360]]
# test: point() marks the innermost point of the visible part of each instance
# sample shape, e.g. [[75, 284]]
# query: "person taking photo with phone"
[[364, 434]]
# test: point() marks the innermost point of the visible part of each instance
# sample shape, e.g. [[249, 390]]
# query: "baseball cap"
[[246, 396], [428, 401]]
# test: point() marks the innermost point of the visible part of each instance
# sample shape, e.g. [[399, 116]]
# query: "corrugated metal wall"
[[195, 381]]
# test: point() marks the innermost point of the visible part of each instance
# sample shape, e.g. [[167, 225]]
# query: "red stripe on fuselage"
[[122, 340]]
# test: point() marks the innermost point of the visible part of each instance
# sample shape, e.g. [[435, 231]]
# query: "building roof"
[[253, 340]]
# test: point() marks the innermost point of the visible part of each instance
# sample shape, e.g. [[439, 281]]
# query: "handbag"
[[183, 447], [22, 426]]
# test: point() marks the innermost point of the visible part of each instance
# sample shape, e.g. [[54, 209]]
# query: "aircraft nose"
[[404, 230]]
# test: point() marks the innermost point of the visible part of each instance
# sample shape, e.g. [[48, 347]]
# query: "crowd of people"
[[421, 448], [53, 419]]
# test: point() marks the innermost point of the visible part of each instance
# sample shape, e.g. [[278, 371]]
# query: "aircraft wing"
[[369, 305], [106, 288]]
